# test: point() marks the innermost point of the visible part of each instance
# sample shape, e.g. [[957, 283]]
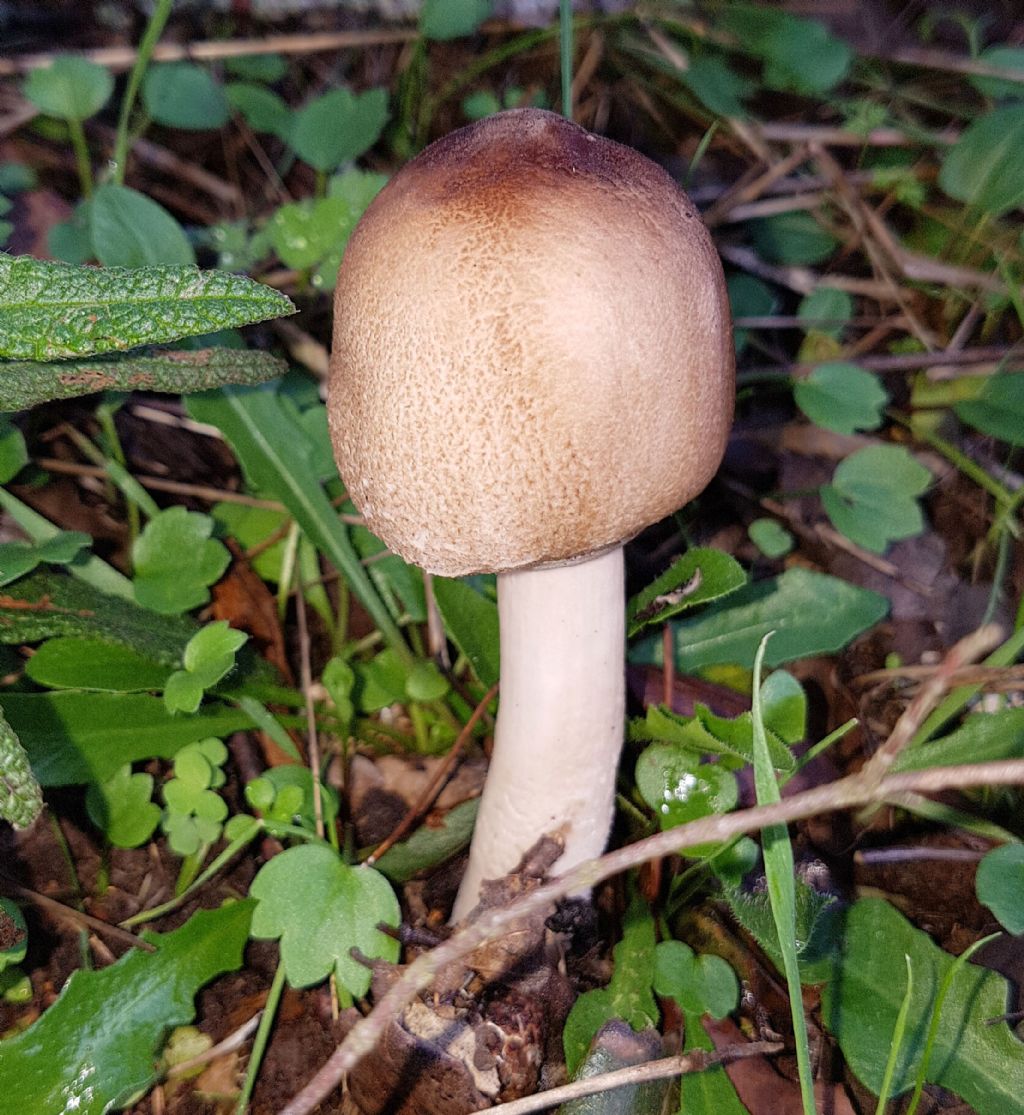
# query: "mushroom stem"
[[560, 720]]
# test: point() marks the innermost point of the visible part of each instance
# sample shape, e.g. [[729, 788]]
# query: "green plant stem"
[[259, 1042], [898, 1034], [960, 461], [81, 149], [565, 49], [154, 29]]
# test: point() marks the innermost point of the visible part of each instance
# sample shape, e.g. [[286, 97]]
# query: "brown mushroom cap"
[[532, 349]]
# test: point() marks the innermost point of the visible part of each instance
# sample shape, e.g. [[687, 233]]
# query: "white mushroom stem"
[[560, 718]]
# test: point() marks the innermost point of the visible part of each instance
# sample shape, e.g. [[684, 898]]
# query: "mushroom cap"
[[532, 353]]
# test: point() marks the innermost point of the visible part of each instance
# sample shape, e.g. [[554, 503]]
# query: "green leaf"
[[71, 88], [429, 845], [709, 1092], [698, 577], [176, 561], [183, 95], [304, 232], [699, 984], [76, 662], [73, 738], [628, 995], [976, 1054], [338, 127], [13, 452], [841, 396], [617, 1047], [873, 496], [749, 297], [129, 229], [210, 653], [792, 605], [19, 558], [53, 310], [257, 67], [1005, 58], [263, 109], [121, 807], [183, 692], [20, 796], [792, 239], [982, 737], [999, 410], [1000, 885], [985, 167], [321, 909], [826, 310], [85, 1057], [471, 620], [451, 19], [719, 87], [26, 384], [679, 788], [292, 796], [799, 54], [770, 537]]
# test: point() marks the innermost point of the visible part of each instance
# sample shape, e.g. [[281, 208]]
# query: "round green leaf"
[[679, 788], [191, 768], [985, 167], [121, 807], [770, 537], [183, 95], [425, 683], [71, 88], [841, 396], [1000, 885], [339, 126], [129, 229], [826, 310], [792, 238]]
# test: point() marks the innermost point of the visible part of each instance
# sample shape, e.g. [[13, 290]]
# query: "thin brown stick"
[[431, 790], [989, 677], [847, 793], [662, 1069]]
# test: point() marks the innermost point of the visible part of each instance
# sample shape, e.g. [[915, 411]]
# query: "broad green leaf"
[[709, 1092], [702, 984], [176, 561], [873, 497], [976, 1054], [183, 95], [82, 1055], [272, 450], [451, 19], [13, 451], [471, 619], [698, 577], [841, 396], [628, 995], [19, 558], [321, 909], [792, 238], [429, 845], [73, 738], [1000, 885], [263, 109], [129, 229], [71, 88], [25, 384], [20, 796], [985, 167], [338, 127], [826, 310], [74, 662], [749, 297], [122, 809], [304, 232], [770, 537], [719, 87], [679, 788], [792, 605], [1006, 58], [999, 408], [982, 737], [799, 54], [50, 310], [616, 1046]]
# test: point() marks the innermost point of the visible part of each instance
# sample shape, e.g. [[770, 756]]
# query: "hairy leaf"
[[20, 796]]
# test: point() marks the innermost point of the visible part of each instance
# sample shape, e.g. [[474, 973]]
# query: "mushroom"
[[532, 361]]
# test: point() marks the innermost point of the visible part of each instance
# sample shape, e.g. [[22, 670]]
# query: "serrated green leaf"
[[54, 310], [698, 577], [121, 807], [873, 496], [184, 95], [321, 909], [19, 558], [128, 229], [176, 561], [472, 622], [985, 167], [976, 1054], [702, 984], [75, 662], [841, 396], [1000, 885], [73, 738], [82, 1056], [70, 88], [20, 796], [999, 408], [791, 605], [451, 19], [338, 127]]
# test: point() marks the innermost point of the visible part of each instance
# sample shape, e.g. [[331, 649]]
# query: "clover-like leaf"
[[176, 560], [841, 396], [210, 653], [321, 909], [122, 807], [679, 788], [702, 984], [338, 126], [19, 558]]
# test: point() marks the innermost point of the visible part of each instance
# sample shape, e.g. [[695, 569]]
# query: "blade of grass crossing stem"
[[899, 1032], [779, 871], [565, 54], [933, 1025]]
